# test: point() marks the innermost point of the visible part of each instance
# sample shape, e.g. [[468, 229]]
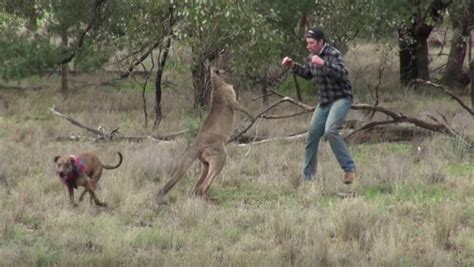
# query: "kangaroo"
[[209, 145]]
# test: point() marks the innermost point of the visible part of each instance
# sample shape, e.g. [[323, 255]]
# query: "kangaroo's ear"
[[214, 70], [56, 158]]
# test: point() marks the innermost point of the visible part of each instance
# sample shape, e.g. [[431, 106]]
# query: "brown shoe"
[[349, 177]]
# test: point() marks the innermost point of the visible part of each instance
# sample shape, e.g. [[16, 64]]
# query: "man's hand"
[[315, 59], [287, 62]]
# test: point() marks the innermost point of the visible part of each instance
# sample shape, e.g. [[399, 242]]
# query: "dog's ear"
[[56, 158]]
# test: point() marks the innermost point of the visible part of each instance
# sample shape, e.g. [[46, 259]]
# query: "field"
[[412, 204]]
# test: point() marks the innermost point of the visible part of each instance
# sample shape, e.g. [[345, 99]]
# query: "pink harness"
[[78, 168]]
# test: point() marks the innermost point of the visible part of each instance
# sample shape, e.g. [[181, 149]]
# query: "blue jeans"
[[325, 121]]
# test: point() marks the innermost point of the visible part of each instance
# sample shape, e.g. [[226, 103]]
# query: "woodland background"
[[132, 76]]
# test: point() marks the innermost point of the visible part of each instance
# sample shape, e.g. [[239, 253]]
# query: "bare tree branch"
[[114, 134], [284, 99], [97, 13], [368, 126], [451, 94], [396, 117], [139, 61], [290, 137], [400, 118], [73, 121]]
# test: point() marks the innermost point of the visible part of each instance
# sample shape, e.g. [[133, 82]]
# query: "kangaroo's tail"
[[189, 157]]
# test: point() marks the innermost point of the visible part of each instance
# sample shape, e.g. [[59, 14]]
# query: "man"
[[325, 66]]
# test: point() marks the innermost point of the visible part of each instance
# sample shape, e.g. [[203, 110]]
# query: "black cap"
[[315, 33]]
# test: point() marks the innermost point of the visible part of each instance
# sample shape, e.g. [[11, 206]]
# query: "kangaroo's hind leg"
[[216, 164], [204, 173]]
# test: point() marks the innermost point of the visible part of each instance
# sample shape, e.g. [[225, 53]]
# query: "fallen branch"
[[401, 118], [306, 109], [442, 128], [396, 117], [287, 138], [114, 134], [451, 94], [78, 124]]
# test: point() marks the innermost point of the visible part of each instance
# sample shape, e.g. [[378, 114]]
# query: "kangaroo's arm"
[[239, 107]]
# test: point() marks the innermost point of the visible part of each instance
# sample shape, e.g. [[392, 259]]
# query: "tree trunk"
[[471, 75], [407, 56], [159, 74], [64, 68], [298, 89], [64, 80], [201, 86], [422, 33], [413, 41], [452, 76], [265, 91]]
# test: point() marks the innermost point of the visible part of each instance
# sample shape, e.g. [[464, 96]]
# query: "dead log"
[[114, 135], [388, 133], [377, 134], [395, 118], [448, 92]]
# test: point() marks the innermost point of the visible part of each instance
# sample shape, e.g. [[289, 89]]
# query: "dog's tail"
[[108, 167], [189, 157]]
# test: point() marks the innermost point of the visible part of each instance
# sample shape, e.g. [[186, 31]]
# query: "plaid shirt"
[[331, 79]]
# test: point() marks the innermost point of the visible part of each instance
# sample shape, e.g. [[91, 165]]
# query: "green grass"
[[463, 169], [417, 193], [249, 194], [409, 209]]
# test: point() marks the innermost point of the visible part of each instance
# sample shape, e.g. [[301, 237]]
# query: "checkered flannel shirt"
[[331, 79]]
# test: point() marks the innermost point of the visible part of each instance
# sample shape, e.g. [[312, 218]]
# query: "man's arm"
[[300, 70], [335, 67]]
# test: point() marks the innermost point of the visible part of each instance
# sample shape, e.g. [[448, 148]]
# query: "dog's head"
[[64, 166]]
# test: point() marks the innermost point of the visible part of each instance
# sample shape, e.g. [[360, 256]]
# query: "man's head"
[[315, 40]]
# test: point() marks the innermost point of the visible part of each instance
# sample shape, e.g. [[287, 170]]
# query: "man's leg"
[[337, 114], [315, 132]]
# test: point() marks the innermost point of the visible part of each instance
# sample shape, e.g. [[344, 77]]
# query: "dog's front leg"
[[70, 191]]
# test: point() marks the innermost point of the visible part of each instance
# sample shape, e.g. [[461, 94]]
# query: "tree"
[[413, 36], [462, 19], [30, 33], [84, 34], [139, 28], [219, 30], [413, 20], [287, 21]]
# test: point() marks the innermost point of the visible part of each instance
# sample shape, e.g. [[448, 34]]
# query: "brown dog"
[[209, 146], [82, 170]]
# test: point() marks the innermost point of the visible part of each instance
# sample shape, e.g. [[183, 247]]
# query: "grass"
[[411, 205]]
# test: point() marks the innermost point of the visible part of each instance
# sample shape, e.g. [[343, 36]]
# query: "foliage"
[[288, 87], [134, 27], [58, 27], [32, 46], [232, 30], [21, 56], [193, 122]]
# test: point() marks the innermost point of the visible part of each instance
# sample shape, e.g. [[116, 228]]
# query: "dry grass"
[[412, 206]]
